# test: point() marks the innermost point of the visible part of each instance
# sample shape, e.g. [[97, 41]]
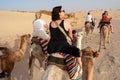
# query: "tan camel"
[[88, 55], [104, 36], [88, 28], [36, 53], [10, 56], [57, 71], [53, 72]]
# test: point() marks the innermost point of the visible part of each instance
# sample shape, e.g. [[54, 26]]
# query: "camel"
[[9, 56], [88, 28], [104, 36], [53, 72], [36, 53], [62, 74], [88, 55]]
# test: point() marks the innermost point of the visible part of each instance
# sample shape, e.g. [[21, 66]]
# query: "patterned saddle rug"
[[43, 43]]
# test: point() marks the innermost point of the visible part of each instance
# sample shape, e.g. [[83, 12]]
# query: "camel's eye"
[[95, 54]]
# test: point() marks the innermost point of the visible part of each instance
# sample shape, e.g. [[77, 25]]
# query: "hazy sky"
[[68, 5]]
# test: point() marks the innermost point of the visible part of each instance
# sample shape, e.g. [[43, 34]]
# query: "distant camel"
[[53, 72], [88, 28], [104, 36], [10, 57], [88, 55]]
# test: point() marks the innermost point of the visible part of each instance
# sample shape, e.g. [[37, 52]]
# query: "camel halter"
[[89, 57]]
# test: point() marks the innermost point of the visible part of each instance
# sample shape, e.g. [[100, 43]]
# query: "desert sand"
[[14, 23]]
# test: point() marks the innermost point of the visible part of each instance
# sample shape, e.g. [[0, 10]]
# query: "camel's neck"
[[23, 45]]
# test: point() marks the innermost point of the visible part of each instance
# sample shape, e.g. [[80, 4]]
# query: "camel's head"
[[26, 36], [80, 34], [89, 53], [4, 51]]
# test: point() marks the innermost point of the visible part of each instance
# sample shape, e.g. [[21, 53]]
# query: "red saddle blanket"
[[72, 64]]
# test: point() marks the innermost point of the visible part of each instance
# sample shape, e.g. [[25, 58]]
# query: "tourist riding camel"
[[56, 71], [89, 25], [104, 36], [89, 19], [105, 20], [39, 43], [39, 32]]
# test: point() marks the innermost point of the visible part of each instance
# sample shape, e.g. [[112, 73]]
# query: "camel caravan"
[[55, 66]]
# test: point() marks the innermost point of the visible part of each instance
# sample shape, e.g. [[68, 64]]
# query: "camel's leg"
[[31, 60], [108, 37], [100, 42], [91, 33], [104, 42], [105, 38], [40, 61], [86, 37], [90, 36]]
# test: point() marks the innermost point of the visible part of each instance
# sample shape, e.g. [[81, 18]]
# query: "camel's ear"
[[29, 35], [81, 52], [96, 54]]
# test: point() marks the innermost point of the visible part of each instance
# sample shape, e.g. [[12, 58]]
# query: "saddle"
[[65, 62], [35, 40], [43, 43], [88, 22], [105, 24], [57, 60]]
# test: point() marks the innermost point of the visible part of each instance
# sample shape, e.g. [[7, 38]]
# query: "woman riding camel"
[[105, 20], [58, 41], [39, 32], [39, 26]]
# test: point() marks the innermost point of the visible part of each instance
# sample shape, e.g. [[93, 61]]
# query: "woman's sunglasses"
[[62, 10]]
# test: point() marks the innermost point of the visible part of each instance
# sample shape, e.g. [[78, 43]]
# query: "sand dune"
[[13, 24]]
